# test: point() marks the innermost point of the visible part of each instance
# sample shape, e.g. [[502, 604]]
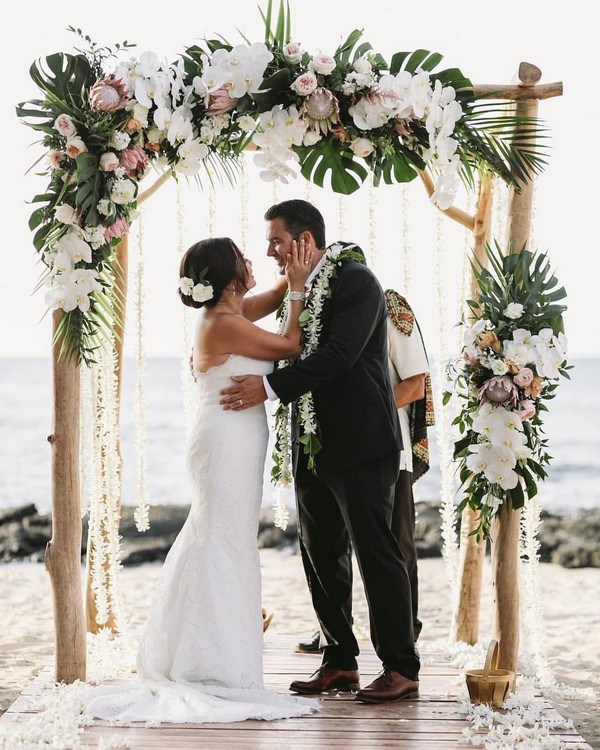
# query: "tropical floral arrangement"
[[513, 356], [106, 122]]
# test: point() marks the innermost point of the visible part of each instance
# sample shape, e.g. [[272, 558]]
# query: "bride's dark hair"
[[224, 263]]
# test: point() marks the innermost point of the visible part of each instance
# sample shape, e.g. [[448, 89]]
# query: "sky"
[[409, 247]]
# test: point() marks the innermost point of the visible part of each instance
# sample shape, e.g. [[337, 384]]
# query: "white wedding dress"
[[200, 655]]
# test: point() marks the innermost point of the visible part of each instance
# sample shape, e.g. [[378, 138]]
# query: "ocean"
[[572, 427]]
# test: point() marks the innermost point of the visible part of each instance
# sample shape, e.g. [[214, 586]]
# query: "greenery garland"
[[106, 122]]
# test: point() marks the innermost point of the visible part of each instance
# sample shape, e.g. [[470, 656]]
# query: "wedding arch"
[[339, 119]]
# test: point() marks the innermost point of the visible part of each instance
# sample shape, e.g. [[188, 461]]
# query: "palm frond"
[[513, 147]]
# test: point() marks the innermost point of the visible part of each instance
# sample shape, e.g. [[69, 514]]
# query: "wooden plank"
[[434, 721]]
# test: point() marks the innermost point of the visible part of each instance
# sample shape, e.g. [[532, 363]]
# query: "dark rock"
[[16, 514], [568, 539]]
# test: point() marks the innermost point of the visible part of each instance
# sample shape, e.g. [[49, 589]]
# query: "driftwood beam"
[[518, 92], [155, 186], [454, 213]]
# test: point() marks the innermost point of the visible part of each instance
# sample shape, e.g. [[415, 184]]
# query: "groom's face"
[[279, 242]]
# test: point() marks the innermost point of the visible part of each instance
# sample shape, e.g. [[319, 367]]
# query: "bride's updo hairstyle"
[[217, 261]]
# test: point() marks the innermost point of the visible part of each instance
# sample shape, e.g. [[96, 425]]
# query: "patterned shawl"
[[421, 412]]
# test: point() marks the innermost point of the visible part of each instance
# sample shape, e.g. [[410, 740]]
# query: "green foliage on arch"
[[107, 120]]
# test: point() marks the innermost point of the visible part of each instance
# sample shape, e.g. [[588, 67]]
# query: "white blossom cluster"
[[519, 366], [158, 89], [397, 99]]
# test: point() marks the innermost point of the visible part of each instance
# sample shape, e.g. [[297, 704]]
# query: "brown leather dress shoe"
[[389, 686], [326, 678]]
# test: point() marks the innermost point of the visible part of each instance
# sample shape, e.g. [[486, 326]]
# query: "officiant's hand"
[[248, 391]]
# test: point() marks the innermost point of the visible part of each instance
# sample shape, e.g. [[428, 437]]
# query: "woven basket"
[[490, 685]]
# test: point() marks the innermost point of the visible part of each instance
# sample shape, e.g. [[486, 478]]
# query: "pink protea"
[[498, 390], [133, 160], [108, 95], [220, 102], [118, 228], [321, 109]]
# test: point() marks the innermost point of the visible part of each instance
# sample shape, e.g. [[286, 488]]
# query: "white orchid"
[[66, 296], [240, 70], [374, 109], [419, 94], [86, 279], [62, 263], [193, 149], [74, 244], [181, 127]]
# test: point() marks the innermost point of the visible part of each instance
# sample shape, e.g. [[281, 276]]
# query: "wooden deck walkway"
[[432, 722]]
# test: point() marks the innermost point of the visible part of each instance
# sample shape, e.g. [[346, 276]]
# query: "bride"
[[200, 654]]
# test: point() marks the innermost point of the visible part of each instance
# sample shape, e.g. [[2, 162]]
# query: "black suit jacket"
[[348, 375]]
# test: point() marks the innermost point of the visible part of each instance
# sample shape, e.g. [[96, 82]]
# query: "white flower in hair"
[[186, 285], [202, 292]]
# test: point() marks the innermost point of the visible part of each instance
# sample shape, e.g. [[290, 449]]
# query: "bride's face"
[[250, 280]]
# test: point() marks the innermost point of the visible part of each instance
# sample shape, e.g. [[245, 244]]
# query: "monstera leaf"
[[326, 158]]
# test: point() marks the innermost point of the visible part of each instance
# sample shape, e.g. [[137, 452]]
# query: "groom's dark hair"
[[299, 216]]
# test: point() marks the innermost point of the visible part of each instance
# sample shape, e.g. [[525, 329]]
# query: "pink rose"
[[524, 377], [527, 409], [362, 147], [109, 161], [65, 125], [75, 146], [132, 160], [305, 84], [55, 158], [292, 53], [118, 228], [323, 64]]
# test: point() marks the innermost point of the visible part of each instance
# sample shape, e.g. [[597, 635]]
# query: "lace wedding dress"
[[200, 655]]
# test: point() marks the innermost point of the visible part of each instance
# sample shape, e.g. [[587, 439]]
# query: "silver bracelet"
[[297, 296]]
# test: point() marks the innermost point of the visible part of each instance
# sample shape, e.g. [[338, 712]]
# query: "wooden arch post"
[[63, 551], [505, 533], [506, 526]]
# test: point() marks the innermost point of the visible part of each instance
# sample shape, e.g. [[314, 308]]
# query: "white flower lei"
[[310, 320]]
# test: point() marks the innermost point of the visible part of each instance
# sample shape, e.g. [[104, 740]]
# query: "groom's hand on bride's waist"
[[247, 391]]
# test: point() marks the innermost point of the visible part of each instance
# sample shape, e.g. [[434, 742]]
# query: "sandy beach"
[[570, 600]]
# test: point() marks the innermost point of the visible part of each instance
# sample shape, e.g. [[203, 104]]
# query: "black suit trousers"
[[355, 508]]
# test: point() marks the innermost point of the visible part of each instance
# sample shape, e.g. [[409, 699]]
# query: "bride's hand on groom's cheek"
[[247, 391]]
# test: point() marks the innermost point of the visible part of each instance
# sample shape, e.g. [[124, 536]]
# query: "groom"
[[350, 500]]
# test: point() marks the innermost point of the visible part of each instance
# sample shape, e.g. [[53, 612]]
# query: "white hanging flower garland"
[[142, 510]]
